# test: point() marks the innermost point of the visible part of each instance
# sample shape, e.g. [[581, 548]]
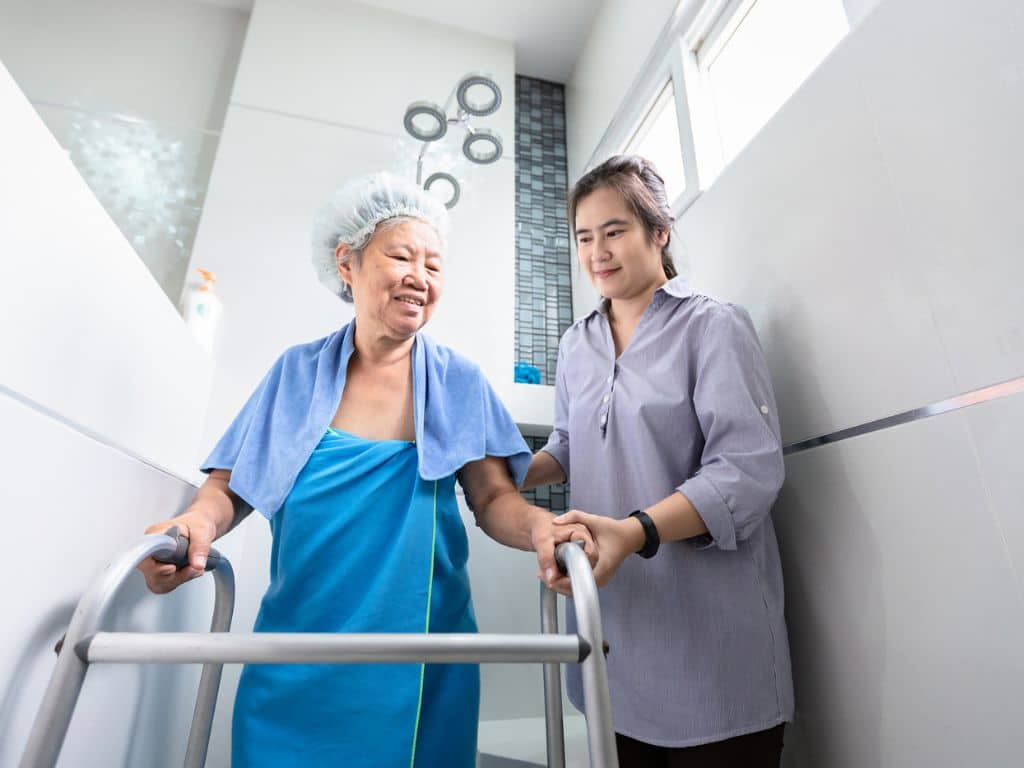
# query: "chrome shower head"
[[425, 121], [468, 94]]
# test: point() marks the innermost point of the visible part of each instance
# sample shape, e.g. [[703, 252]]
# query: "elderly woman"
[[351, 447]]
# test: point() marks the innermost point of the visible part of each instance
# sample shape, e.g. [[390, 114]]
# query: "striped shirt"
[[698, 642]]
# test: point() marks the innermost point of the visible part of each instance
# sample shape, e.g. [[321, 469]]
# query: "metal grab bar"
[[85, 644]]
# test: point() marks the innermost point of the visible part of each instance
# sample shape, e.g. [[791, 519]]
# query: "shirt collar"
[[677, 287]]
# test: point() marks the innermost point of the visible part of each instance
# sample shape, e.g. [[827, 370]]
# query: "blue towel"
[[458, 418], [527, 374]]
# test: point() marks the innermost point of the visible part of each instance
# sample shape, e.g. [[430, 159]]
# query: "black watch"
[[651, 538]]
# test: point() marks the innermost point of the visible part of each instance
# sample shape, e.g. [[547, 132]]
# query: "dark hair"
[[641, 187]]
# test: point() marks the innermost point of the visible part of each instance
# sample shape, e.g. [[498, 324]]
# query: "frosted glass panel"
[[150, 178]]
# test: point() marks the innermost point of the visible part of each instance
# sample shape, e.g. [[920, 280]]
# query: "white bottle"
[[202, 309]]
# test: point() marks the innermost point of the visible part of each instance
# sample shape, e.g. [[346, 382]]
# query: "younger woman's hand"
[[616, 539], [545, 537]]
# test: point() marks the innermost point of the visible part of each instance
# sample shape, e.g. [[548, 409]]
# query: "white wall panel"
[[997, 428], [71, 503], [79, 55], [945, 93], [87, 331], [857, 10], [904, 614], [350, 63]]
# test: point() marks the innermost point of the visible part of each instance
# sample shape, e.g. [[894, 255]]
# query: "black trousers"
[[753, 750]]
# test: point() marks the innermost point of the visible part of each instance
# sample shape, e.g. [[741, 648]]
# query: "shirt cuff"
[[712, 510], [559, 450]]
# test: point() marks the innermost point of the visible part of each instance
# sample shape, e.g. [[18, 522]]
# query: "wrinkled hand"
[[546, 536], [615, 539], [162, 578]]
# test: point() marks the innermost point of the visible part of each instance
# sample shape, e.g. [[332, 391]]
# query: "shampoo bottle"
[[201, 309]]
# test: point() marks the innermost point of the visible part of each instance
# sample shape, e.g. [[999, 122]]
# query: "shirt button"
[[604, 399], [604, 419], [608, 380], [764, 409]]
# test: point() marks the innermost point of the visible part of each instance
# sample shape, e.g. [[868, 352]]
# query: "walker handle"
[[560, 559], [179, 554]]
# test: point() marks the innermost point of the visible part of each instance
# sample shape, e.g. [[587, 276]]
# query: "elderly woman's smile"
[[397, 278]]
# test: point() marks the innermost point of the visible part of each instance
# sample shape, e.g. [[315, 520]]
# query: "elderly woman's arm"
[[214, 511], [506, 517]]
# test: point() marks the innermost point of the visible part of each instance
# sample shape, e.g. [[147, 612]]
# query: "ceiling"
[[548, 34]]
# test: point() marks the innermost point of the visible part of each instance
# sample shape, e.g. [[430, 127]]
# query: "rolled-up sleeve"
[[741, 464], [558, 441]]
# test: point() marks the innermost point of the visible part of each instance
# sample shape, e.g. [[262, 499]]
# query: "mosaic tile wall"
[[553, 497], [543, 287]]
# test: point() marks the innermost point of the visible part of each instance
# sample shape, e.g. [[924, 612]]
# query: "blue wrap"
[[363, 544], [458, 418]]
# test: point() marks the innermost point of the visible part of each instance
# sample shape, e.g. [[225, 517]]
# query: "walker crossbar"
[[326, 648], [86, 644]]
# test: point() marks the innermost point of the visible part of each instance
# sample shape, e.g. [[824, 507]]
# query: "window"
[[757, 54], [719, 71], [657, 139]]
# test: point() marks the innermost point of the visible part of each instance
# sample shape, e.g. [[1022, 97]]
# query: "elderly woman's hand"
[[545, 536], [616, 539], [213, 512], [195, 523], [505, 516]]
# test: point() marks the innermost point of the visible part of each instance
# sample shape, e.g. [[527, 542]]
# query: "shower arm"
[[461, 117]]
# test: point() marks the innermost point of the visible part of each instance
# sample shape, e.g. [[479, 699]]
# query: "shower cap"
[[353, 213]]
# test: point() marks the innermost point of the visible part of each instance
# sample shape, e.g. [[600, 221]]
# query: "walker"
[[86, 644]]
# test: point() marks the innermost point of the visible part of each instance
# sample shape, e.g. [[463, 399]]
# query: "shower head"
[[446, 177], [477, 95], [482, 146], [425, 121], [470, 98]]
